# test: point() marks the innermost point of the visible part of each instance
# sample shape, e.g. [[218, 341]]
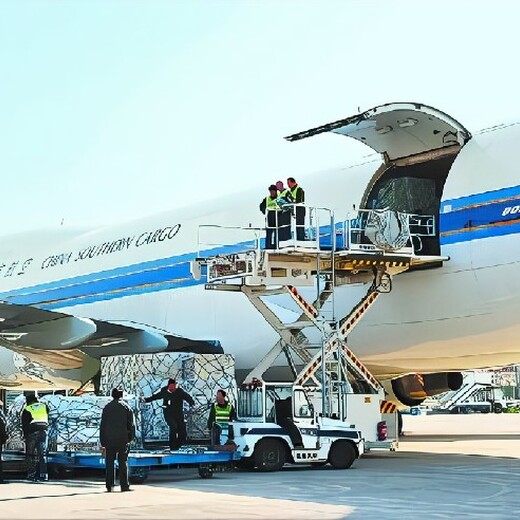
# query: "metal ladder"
[[334, 345]]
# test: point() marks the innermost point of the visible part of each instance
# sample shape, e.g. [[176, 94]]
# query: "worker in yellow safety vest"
[[35, 421], [284, 217], [271, 209], [298, 197], [220, 415]]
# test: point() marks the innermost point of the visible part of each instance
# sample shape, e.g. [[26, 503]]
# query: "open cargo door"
[[397, 130], [418, 145]]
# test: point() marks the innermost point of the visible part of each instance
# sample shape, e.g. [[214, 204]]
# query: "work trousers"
[[1, 466], [121, 452], [271, 232], [292, 430], [36, 455], [177, 436], [300, 223], [284, 225], [216, 433]]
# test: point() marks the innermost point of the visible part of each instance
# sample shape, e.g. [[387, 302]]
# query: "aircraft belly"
[[460, 320]]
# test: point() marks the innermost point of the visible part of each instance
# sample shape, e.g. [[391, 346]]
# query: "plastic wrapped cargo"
[[74, 421], [201, 375]]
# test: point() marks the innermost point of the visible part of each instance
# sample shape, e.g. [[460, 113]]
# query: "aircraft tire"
[[270, 455], [342, 455]]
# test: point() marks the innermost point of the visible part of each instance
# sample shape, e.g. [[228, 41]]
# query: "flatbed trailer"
[[142, 461]]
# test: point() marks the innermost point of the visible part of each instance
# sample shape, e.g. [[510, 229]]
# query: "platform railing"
[[286, 228], [374, 230], [368, 230]]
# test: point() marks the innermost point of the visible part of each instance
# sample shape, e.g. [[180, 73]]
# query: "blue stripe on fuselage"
[[489, 214], [468, 218], [150, 276]]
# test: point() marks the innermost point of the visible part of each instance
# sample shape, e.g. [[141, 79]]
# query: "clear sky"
[[114, 109]]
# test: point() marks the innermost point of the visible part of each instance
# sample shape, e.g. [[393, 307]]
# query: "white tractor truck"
[[279, 424]]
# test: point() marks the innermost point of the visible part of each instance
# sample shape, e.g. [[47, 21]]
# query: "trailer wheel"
[[59, 471], [342, 455], [269, 455], [205, 471], [138, 476]]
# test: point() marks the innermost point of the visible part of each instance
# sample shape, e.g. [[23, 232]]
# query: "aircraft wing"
[[24, 328]]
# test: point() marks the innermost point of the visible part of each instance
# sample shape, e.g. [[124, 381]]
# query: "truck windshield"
[[250, 403], [302, 406]]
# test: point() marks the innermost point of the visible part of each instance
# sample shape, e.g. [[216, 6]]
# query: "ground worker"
[[3, 438], [173, 397], [116, 432], [298, 197], [284, 216], [35, 421], [220, 414], [271, 208]]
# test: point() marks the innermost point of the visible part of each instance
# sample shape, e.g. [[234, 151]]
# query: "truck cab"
[[278, 424]]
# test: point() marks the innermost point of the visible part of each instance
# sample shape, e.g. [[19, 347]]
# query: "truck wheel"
[[205, 471], [137, 475], [59, 471], [137, 479], [342, 455], [269, 455], [498, 408]]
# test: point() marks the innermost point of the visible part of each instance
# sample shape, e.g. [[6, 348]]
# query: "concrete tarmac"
[[445, 467]]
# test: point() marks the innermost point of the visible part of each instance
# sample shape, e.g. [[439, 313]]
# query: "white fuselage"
[[459, 316]]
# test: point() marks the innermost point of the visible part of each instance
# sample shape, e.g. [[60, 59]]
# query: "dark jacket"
[[28, 426], [3, 427], [117, 424], [172, 401]]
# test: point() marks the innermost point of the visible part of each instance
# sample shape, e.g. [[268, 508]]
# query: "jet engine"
[[413, 389]]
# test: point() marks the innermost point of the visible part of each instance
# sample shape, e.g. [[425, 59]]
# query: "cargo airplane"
[[69, 297]]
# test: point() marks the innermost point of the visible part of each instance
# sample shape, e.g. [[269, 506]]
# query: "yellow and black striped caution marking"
[[354, 361], [311, 369], [387, 263], [307, 307], [308, 373], [387, 407], [349, 324], [362, 368]]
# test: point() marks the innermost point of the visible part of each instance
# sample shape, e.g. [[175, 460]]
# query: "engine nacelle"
[[413, 389]]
